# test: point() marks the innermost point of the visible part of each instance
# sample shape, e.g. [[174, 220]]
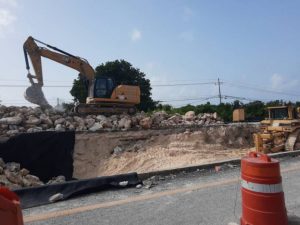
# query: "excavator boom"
[[34, 93], [103, 95]]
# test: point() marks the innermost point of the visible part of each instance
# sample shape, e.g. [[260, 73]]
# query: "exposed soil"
[[98, 154]]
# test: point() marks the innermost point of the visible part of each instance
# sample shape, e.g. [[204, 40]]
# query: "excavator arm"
[[34, 93]]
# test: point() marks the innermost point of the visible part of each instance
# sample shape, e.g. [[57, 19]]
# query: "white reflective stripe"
[[262, 188]]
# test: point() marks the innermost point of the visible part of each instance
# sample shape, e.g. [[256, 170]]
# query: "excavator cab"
[[280, 113], [104, 87]]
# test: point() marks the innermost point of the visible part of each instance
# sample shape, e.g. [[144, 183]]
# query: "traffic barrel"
[[10, 209], [262, 192]]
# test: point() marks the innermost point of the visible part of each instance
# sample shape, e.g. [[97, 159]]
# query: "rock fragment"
[[57, 197], [16, 120], [11, 120], [123, 183]]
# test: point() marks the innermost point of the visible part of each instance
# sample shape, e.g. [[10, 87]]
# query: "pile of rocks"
[[13, 177], [14, 120]]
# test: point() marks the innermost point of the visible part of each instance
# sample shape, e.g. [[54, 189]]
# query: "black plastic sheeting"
[[49, 154], [44, 154], [31, 197]]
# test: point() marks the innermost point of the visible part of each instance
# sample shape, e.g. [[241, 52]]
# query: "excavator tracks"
[[292, 139], [105, 108]]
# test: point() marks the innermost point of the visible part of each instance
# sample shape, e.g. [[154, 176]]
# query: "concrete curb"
[[208, 166]]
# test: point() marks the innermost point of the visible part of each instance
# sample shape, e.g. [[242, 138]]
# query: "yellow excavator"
[[103, 95], [280, 131]]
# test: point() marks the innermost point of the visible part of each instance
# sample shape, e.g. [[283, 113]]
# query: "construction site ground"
[[110, 153], [197, 198]]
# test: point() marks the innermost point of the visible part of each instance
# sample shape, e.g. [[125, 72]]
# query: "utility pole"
[[220, 96]]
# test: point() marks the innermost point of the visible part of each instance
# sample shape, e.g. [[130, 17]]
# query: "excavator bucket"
[[35, 95]]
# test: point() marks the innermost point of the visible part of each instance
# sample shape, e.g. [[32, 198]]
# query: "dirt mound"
[[150, 150]]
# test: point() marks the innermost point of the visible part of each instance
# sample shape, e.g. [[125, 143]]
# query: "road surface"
[[198, 198]]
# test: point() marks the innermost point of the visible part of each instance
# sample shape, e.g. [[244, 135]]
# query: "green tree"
[[224, 110], [165, 107], [122, 72], [79, 90], [255, 110]]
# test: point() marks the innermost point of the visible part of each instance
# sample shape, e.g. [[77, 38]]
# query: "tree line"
[[255, 110], [122, 72]]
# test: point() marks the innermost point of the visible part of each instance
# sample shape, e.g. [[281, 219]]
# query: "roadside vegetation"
[[255, 111], [123, 72]]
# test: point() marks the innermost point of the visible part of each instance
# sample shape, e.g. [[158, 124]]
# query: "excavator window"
[[103, 87], [279, 113], [110, 85]]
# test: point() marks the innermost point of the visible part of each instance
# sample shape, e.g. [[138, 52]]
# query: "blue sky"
[[252, 46]]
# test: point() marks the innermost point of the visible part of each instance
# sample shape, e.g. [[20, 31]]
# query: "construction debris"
[[15, 120], [57, 197], [13, 177]]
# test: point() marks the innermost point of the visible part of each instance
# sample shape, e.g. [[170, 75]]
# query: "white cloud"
[[6, 20], [187, 36], [136, 35], [278, 83]]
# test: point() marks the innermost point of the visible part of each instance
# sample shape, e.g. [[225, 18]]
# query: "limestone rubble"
[[15, 120], [15, 177]]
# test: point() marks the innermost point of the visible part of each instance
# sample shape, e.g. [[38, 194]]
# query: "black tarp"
[[31, 197], [49, 154], [44, 154]]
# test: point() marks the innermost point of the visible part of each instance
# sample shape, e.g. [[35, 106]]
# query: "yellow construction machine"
[[103, 95], [280, 131], [238, 115]]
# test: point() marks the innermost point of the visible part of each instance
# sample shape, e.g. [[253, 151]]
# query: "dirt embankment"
[[98, 154]]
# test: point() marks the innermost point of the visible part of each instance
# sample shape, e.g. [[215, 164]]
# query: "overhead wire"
[[187, 99], [233, 84], [203, 98]]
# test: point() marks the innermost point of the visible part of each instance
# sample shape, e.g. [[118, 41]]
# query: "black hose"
[[56, 49], [26, 59]]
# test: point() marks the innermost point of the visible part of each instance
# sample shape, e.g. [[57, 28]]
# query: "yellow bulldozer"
[[104, 96], [280, 131]]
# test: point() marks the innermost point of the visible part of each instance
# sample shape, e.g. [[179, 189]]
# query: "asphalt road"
[[201, 197]]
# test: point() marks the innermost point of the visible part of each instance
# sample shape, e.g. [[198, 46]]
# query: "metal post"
[[220, 96]]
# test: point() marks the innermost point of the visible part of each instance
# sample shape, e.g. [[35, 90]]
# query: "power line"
[[218, 82], [202, 98], [184, 84], [21, 85], [187, 99], [154, 85], [261, 89], [153, 81]]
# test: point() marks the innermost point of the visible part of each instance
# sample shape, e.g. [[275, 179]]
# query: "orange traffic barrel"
[[10, 209], [262, 192]]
